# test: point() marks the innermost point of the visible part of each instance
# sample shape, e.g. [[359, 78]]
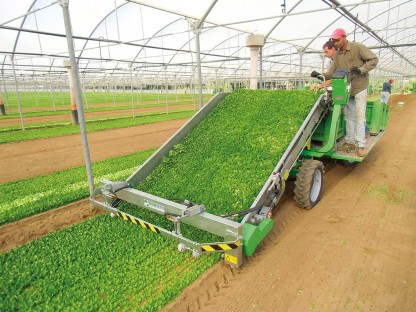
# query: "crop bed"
[[107, 264], [225, 160]]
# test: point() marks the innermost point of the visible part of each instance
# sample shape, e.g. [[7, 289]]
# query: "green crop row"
[[27, 197], [7, 136], [62, 98], [120, 107], [102, 264]]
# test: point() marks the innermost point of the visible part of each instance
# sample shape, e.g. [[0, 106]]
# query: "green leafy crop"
[[226, 159], [108, 264]]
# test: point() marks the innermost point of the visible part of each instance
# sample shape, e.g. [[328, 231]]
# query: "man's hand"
[[315, 74], [316, 87], [355, 70]]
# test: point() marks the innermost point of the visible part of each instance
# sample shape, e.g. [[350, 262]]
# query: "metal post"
[[197, 32], [166, 91], [35, 89], [75, 75], [300, 51], [2, 110], [53, 98], [84, 89], [5, 89], [71, 80], [131, 87], [18, 94], [261, 68]]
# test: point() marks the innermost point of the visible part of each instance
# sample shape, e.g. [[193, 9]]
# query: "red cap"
[[338, 33]]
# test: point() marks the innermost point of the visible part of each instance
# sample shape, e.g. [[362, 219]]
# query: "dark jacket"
[[386, 87]]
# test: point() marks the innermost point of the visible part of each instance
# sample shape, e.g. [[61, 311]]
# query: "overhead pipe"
[[355, 20]]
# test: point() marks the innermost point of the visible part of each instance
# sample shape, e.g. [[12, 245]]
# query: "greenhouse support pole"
[[17, 93], [74, 110], [75, 76], [5, 89], [198, 62], [84, 89], [300, 51], [261, 68], [131, 88], [197, 28], [2, 110], [52, 96]]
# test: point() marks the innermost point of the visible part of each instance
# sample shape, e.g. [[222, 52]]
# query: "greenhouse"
[[166, 155], [159, 45]]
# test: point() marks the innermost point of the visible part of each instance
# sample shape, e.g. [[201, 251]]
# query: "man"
[[359, 60], [386, 91], [329, 50]]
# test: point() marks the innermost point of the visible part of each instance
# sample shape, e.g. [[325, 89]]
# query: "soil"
[[355, 251], [32, 158]]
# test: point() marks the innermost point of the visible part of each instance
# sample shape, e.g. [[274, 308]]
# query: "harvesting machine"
[[318, 138]]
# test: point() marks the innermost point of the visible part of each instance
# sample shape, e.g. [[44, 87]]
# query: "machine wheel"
[[349, 163], [309, 183]]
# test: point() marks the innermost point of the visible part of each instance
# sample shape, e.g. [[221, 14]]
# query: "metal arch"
[[368, 29], [395, 22], [159, 31], [236, 51], [23, 22], [209, 51], [395, 43], [98, 25], [285, 64], [281, 19]]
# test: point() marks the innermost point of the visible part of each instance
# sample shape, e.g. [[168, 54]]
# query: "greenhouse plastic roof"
[[155, 41]]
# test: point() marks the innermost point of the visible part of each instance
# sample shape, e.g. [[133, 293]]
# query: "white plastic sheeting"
[[153, 40]]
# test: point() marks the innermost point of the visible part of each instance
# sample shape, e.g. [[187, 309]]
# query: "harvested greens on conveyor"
[[226, 159]]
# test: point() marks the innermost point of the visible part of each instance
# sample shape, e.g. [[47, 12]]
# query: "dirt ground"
[[31, 158], [355, 251]]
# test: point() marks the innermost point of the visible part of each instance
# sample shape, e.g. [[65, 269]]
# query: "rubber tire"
[[349, 163], [309, 183]]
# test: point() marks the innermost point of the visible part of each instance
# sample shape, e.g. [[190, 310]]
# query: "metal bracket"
[[110, 188], [196, 25], [194, 210]]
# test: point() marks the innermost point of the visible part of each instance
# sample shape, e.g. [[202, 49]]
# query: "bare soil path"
[[355, 251], [31, 158]]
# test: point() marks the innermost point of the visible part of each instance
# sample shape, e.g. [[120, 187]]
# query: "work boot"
[[346, 147], [361, 152]]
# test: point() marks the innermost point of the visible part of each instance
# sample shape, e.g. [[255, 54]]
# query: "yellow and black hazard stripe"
[[139, 222], [220, 247]]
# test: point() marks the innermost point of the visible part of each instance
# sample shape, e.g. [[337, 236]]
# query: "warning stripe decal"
[[139, 222], [220, 247]]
